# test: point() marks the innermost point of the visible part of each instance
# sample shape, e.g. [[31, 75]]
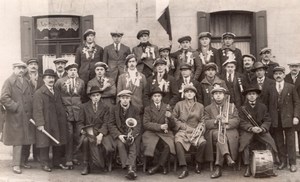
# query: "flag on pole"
[[163, 16]]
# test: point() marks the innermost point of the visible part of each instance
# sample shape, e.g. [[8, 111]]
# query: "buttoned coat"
[[48, 111], [210, 115], [153, 119], [39, 81], [187, 119], [99, 121], [86, 63], [115, 59], [71, 97], [261, 116], [17, 100]]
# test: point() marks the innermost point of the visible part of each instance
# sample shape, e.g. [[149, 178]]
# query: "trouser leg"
[[200, 152], [290, 145], [69, 145], [246, 155], [131, 159], [96, 153], [85, 150], [17, 155], [35, 152], [279, 138], [164, 149], [122, 152], [221, 148], [180, 154], [44, 156], [25, 153], [57, 155]]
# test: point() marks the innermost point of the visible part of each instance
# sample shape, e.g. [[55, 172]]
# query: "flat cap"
[[210, 65], [250, 56], [162, 48], [73, 65], [19, 64], [258, 65], [159, 61], [189, 87], [264, 50], [218, 88], [279, 68], [251, 89], [204, 34], [229, 61], [185, 66], [125, 93], [101, 64], [130, 56], [32, 60], [293, 64], [228, 34], [116, 33], [60, 60], [188, 38], [88, 32], [141, 32]]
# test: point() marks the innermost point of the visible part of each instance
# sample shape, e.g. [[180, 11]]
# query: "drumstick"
[[45, 132]]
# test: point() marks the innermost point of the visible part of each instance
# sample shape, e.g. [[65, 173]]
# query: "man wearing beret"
[[164, 53], [266, 59], [72, 90], [145, 53], [187, 55], [248, 62], [114, 55], [228, 49], [50, 115], [210, 80], [106, 84], [288, 114], [123, 115], [206, 52], [60, 64], [87, 55], [294, 78], [16, 97]]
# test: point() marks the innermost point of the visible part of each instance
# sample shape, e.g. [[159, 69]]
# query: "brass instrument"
[[130, 123], [248, 115], [222, 125], [197, 133]]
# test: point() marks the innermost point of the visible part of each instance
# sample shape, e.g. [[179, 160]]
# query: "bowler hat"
[[49, 72], [156, 90], [60, 60], [141, 32], [125, 93], [94, 89], [101, 64], [88, 32], [181, 39], [251, 89], [204, 34], [73, 65], [258, 65]]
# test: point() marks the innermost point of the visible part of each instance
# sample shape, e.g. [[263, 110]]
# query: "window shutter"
[[261, 31], [203, 23], [26, 38], [87, 22]]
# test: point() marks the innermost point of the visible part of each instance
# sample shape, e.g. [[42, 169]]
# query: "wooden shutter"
[[26, 38], [202, 23], [260, 23], [87, 22]]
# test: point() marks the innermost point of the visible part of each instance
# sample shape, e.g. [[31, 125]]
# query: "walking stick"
[[45, 132]]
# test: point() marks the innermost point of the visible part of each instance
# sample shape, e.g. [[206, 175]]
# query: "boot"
[[154, 169], [230, 162], [217, 173], [85, 169], [247, 172], [131, 173]]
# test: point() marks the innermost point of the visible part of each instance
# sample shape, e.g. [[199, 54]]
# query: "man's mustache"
[[278, 77]]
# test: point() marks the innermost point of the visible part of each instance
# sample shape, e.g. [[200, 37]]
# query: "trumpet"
[[197, 133], [222, 126], [130, 123]]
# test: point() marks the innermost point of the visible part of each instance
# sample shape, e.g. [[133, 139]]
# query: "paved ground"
[[117, 175]]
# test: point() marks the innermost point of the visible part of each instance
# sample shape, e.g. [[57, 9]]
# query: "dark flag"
[[163, 16]]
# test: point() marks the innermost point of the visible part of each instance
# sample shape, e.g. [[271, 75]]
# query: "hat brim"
[[254, 69], [251, 90], [116, 34], [48, 74], [157, 92]]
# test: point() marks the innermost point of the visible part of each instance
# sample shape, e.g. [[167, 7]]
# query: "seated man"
[[123, 132], [189, 122], [256, 128], [96, 141], [157, 135], [221, 116]]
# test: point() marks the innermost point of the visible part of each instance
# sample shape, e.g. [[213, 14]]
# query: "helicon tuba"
[[130, 123]]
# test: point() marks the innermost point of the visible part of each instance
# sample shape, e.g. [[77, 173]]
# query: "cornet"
[[222, 126], [130, 123]]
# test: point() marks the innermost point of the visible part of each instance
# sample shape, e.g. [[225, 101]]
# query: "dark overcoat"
[[17, 100], [270, 68], [210, 115], [223, 53], [153, 119], [211, 56], [49, 111], [260, 114], [115, 59]]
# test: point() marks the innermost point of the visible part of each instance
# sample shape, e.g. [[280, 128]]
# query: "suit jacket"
[[153, 119], [115, 60], [235, 88], [223, 53], [193, 82], [288, 106], [213, 58], [39, 81], [57, 77], [270, 68], [116, 122]]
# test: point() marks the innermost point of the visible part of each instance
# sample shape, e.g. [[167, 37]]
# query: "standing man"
[[60, 64], [145, 53], [114, 56], [187, 55], [228, 48], [87, 55], [294, 78], [206, 52], [266, 60], [49, 114], [72, 89], [248, 62], [134, 81], [119, 130], [16, 97], [288, 113]]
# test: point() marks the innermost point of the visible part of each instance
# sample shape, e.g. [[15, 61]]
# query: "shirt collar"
[[261, 79]]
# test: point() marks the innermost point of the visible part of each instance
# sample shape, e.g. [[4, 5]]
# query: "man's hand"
[[295, 121], [40, 128], [164, 127], [122, 138], [256, 129], [82, 132], [168, 114], [99, 138]]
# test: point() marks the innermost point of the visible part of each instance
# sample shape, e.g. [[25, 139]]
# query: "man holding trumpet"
[[221, 121]]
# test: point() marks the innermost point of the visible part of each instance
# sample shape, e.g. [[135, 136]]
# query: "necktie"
[[51, 90], [279, 88], [157, 107], [229, 77], [117, 47], [95, 107]]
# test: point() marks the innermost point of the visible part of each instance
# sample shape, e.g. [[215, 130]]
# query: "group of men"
[[149, 99]]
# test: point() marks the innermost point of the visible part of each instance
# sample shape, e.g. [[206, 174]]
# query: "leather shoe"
[[293, 168], [46, 168], [26, 166], [281, 166], [183, 174], [247, 172], [131, 173], [217, 173], [85, 169], [61, 166], [198, 168], [165, 170], [17, 170], [153, 170], [230, 162]]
